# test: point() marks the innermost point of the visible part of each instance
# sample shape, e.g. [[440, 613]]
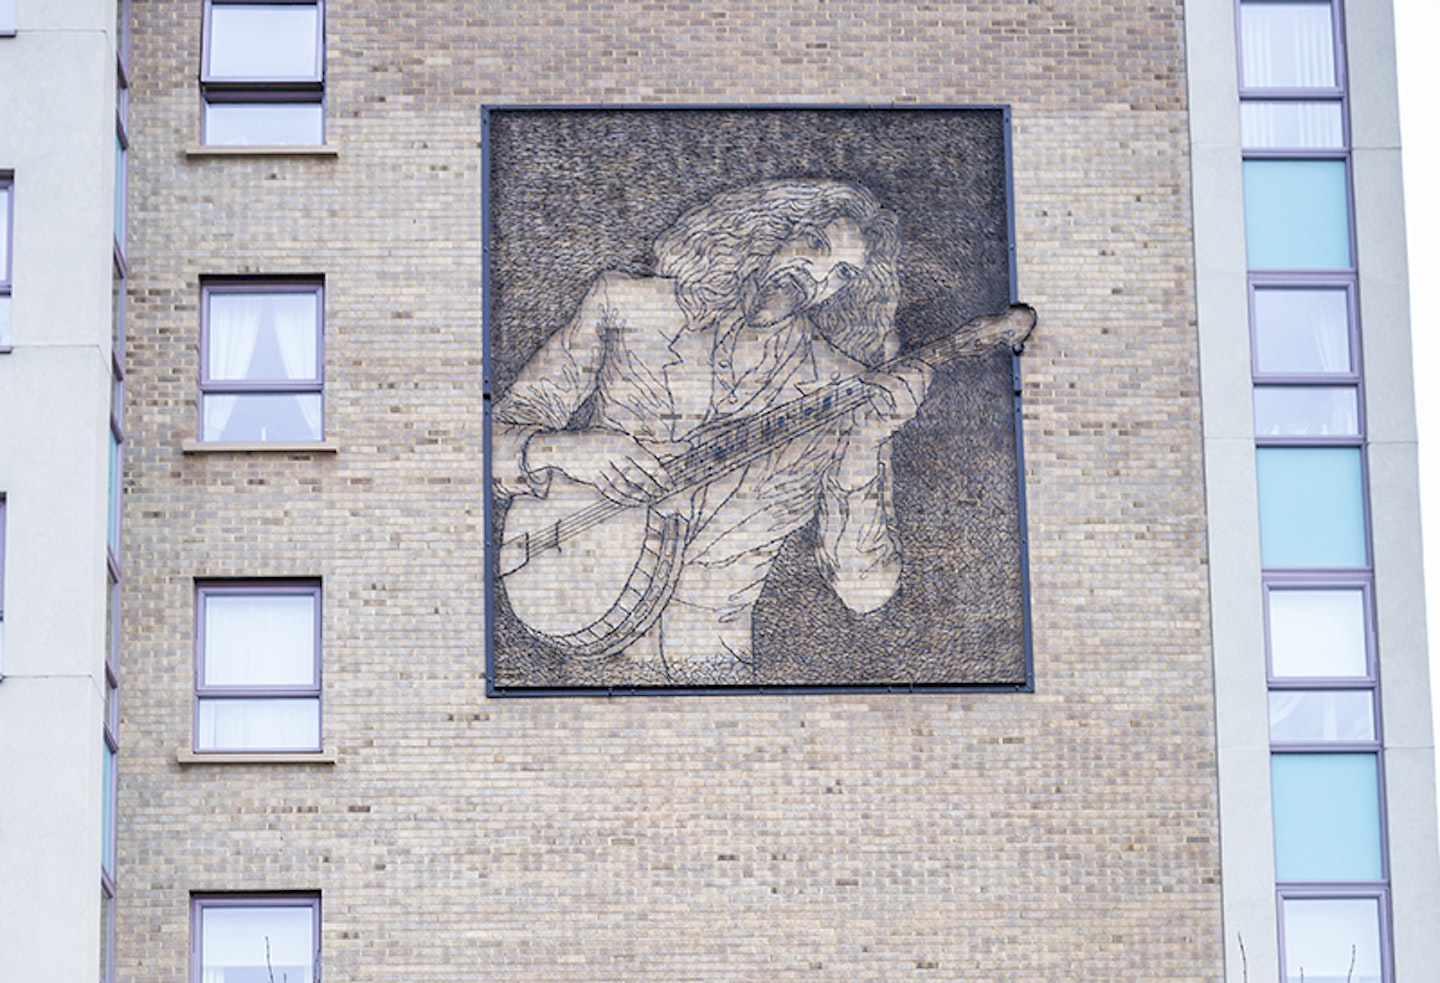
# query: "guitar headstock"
[[982, 334]]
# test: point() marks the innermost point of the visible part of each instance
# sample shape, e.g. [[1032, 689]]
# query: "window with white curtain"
[[257, 678], [250, 938], [262, 362]]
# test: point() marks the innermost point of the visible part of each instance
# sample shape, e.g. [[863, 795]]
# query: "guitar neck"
[[733, 443]]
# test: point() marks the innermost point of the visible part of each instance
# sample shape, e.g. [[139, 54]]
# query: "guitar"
[[589, 576]]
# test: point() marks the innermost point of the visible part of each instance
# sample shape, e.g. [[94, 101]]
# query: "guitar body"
[[584, 574]]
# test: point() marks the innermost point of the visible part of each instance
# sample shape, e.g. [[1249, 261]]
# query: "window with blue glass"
[[1312, 507], [1297, 215]]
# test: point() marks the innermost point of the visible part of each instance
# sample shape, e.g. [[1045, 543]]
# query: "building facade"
[[1200, 772]]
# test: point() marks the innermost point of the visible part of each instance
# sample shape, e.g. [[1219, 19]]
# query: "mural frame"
[[1021, 677]]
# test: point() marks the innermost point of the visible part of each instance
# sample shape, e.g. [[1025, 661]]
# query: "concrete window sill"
[[256, 758], [259, 447], [201, 151]]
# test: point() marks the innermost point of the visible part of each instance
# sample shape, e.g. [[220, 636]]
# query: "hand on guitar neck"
[[617, 465]]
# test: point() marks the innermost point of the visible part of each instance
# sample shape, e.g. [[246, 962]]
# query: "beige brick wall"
[[1068, 834]]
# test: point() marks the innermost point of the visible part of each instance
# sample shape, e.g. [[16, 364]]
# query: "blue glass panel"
[[1312, 507], [1297, 215], [107, 813], [113, 537], [1327, 817], [120, 193]]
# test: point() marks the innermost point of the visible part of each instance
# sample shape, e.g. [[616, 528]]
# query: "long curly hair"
[[717, 253]]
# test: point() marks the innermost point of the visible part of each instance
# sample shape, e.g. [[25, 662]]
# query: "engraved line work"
[[659, 448]]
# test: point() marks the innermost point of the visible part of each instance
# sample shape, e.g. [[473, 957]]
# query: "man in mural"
[[675, 397]]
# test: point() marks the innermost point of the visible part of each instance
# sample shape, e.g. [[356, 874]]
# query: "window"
[[1297, 214], [1287, 45], [261, 361], [257, 677], [263, 73], [1332, 937], [247, 938], [7, 18], [1312, 507], [7, 197]]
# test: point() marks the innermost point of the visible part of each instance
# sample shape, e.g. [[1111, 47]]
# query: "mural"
[[742, 428]]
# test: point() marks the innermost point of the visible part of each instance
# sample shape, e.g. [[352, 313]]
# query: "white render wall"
[[57, 134]]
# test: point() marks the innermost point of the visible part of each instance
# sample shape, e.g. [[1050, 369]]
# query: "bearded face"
[[806, 271]]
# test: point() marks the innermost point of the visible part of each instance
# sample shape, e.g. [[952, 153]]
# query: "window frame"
[[1338, 891], [199, 902], [7, 282], [1338, 91], [210, 286], [282, 90], [202, 692]]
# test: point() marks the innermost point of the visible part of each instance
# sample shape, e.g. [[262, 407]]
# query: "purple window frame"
[[258, 588], [7, 188], [1317, 93], [1312, 579], [1291, 277], [1340, 891], [253, 89], [278, 284], [239, 899], [1310, 281]]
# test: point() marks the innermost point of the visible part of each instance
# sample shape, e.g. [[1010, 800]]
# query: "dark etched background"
[[575, 192]]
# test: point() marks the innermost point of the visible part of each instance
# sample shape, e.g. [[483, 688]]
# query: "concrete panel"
[[1384, 295], [1414, 890], [56, 521], [1247, 850], [1400, 595], [59, 143], [64, 15], [1370, 51], [50, 825]]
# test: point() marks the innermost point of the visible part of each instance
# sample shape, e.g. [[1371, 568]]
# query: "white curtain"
[[259, 639], [1287, 45], [295, 320], [1290, 125], [259, 724], [234, 329]]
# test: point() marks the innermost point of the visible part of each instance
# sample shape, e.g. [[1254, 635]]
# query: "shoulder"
[[623, 288], [831, 362], [635, 303]]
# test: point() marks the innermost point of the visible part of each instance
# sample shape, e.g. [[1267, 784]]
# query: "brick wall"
[[1067, 834]]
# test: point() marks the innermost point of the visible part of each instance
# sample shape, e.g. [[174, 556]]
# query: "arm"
[[531, 436], [545, 395], [858, 552]]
